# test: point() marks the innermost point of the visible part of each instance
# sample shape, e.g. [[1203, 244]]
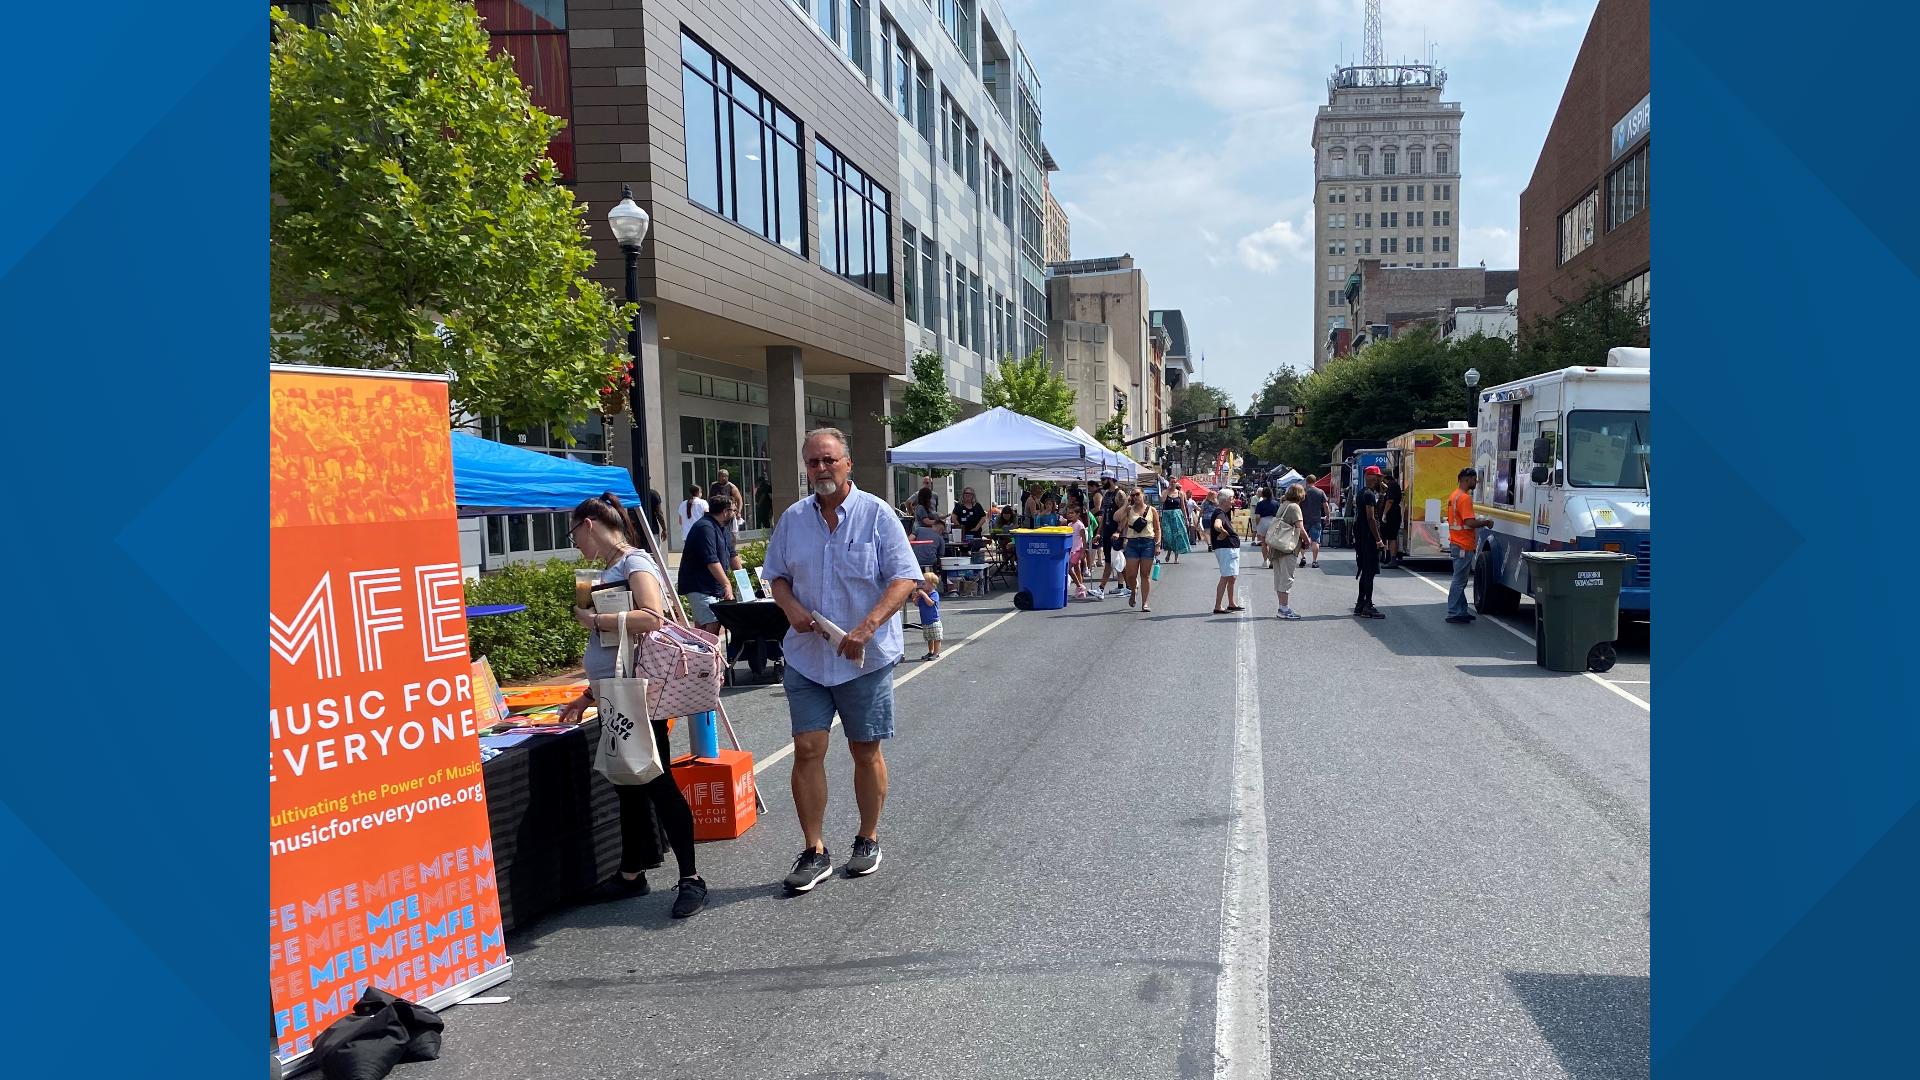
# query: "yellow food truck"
[[1427, 462]]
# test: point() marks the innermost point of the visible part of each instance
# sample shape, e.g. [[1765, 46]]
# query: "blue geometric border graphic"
[[1786, 754]]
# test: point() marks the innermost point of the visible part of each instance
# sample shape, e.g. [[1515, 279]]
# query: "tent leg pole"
[[759, 801]]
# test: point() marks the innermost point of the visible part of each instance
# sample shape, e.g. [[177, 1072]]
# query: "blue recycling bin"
[[1042, 557]]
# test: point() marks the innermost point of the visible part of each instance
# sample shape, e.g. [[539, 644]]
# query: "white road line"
[[1631, 682], [1242, 1042], [787, 750], [1528, 638]]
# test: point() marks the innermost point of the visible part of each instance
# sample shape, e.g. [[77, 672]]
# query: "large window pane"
[[827, 190], [690, 435], [519, 536], [789, 182], [882, 252], [749, 171], [543, 532], [709, 436], [929, 289], [730, 439], [909, 263], [903, 82]]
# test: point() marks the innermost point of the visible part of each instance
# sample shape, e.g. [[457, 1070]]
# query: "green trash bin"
[[1576, 607]]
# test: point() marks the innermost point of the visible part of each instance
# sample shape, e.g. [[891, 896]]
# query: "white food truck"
[[1565, 461]]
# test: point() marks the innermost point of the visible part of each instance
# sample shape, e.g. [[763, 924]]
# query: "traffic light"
[[1225, 418], [1299, 416]]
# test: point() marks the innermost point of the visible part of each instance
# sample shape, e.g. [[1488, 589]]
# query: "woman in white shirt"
[[690, 510]]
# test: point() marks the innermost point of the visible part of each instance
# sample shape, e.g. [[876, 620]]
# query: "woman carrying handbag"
[[601, 531], [1284, 543]]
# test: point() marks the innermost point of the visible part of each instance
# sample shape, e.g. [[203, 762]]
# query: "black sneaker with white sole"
[[808, 870], [866, 857]]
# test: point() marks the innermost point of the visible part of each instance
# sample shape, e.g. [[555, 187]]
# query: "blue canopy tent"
[[494, 478]]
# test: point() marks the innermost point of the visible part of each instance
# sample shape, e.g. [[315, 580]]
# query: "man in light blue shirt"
[[840, 552]]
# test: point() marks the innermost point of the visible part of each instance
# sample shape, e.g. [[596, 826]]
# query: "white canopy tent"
[[1003, 441]]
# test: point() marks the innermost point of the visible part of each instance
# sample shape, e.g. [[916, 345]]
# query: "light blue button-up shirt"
[[840, 573]]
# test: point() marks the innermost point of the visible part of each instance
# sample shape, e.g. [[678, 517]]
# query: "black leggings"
[[661, 796]]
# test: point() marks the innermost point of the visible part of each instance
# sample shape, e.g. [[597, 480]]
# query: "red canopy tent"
[[1197, 490], [1325, 483]]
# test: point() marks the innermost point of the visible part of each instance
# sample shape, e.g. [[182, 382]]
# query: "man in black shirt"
[[1107, 504], [1368, 542], [707, 562], [1392, 512]]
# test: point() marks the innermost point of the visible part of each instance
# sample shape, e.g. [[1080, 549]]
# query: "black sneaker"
[[618, 887], [1371, 613], [693, 897], [808, 870], [866, 857], [1461, 619]]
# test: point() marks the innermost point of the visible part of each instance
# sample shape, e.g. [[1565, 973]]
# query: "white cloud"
[[1267, 249], [1500, 247], [1184, 134]]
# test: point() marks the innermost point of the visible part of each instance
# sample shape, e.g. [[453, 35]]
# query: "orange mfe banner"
[[381, 859]]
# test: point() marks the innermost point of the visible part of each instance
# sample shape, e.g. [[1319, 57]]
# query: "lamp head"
[[628, 221], [1473, 378]]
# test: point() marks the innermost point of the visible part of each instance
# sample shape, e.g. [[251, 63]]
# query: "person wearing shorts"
[[1140, 526], [1226, 551], [840, 552], [927, 597]]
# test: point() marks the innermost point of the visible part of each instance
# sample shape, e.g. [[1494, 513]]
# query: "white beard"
[[826, 488]]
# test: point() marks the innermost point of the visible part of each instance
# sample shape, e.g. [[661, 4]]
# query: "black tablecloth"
[[556, 824]]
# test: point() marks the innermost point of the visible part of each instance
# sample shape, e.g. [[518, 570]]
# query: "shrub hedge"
[[538, 641]]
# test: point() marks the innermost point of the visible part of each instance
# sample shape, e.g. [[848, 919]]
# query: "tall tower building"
[[1386, 160]]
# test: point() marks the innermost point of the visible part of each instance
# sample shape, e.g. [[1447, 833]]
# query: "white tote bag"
[[628, 754]]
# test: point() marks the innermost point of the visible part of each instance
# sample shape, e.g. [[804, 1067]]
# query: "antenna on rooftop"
[[1374, 51]]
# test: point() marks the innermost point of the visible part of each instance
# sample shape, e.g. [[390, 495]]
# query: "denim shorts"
[[865, 704], [1140, 547], [702, 606], [1229, 560], [1313, 532]]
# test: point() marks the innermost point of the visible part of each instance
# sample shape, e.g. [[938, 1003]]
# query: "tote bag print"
[[628, 754]]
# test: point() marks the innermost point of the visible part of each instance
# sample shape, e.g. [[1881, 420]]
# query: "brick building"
[[1386, 300], [1585, 215]]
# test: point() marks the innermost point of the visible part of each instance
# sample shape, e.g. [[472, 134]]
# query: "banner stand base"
[[452, 995]]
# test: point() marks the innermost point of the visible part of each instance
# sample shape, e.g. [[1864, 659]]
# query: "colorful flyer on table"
[[380, 863], [489, 704]]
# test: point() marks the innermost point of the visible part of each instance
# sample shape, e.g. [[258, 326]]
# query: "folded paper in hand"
[[833, 634]]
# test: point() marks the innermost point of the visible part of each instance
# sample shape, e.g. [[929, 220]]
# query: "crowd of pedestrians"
[[842, 571]]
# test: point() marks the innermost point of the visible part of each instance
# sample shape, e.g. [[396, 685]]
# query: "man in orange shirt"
[[1462, 540]]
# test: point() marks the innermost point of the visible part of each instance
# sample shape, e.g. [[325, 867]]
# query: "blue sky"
[[1181, 128]]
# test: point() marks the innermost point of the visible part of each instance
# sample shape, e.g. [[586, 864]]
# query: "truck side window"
[[1506, 489]]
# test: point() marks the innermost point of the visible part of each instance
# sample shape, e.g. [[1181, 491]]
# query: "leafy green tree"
[[1582, 333], [1113, 433], [1201, 445], [1031, 387], [1281, 390], [417, 223], [925, 407]]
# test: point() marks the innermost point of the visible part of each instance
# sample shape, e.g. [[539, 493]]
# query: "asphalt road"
[[1165, 845]]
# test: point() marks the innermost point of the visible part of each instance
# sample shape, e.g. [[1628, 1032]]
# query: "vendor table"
[[556, 824]]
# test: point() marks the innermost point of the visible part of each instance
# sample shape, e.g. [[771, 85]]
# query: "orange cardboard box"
[[720, 790]]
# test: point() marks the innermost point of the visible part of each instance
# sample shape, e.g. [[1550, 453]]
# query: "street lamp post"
[[1473, 395], [629, 224]]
